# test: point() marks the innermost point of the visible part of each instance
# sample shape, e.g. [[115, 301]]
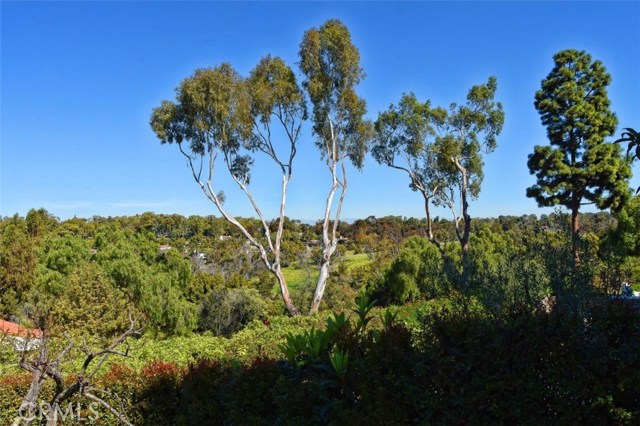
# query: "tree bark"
[[320, 285], [30, 401], [43, 367], [427, 210], [575, 236], [329, 242], [284, 291], [37, 368], [464, 241]]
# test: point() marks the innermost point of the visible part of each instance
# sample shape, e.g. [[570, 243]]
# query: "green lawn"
[[354, 260], [298, 277]]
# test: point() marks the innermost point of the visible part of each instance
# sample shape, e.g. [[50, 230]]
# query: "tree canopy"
[[578, 167], [218, 112], [331, 64]]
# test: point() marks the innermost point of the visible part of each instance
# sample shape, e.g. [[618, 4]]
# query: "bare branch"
[[105, 404]]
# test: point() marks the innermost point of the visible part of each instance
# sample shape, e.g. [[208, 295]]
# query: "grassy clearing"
[[353, 260], [299, 277]]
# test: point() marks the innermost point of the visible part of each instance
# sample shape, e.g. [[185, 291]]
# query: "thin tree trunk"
[[466, 218], [464, 241], [284, 291], [427, 210], [39, 375], [29, 404], [320, 286], [329, 242], [575, 238], [329, 247]]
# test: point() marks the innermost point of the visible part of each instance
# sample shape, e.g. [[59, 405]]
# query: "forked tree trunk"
[[464, 241], [329, 238]]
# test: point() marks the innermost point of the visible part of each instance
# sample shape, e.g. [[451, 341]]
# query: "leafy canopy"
[[465, 132], [404, 137], [331, 64], [212, 113], [578, 164]]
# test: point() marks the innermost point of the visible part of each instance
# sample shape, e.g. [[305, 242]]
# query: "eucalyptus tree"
[[442, 151], [464, 134], [578, 167], [331, 64], [221, 117], [404, 141]]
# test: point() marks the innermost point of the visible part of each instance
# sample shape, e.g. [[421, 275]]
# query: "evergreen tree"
[[578, 167]]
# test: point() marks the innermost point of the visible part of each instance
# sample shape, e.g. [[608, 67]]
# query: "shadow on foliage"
[[558, 368]]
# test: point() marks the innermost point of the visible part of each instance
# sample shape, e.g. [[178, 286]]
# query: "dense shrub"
[[534, 369], [417, 272], [559, 368], [226, 311]]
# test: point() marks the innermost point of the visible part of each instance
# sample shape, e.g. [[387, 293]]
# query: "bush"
[[417, 272], [534, 368], [224, 312], [524, 368]]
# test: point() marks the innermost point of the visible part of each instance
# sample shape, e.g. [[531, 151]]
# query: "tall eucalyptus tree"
[[220, 114], [404, 141], [465, 133], [442, 151], [331, 64]]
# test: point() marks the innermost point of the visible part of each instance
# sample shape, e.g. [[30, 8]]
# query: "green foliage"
[[212, 112], [633, 138], [400, 283], [91, 305], [40, 222], [503, 277], [202, 284], [620, 248], [627, 231], [442, 152], [579, 165], [524, 368], [417, 271], [275, 92], [59, 256], [313, 346], [331, 64], [157, 283], [406, 132], [340, 362], [556, 369], [218, 112], [18, 263], [465, 133], [226, 311], [397, 366]]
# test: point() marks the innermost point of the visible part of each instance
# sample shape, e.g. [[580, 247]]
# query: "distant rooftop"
[[13, 329]]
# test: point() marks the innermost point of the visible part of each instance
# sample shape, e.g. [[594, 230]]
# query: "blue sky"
[[79, 80]]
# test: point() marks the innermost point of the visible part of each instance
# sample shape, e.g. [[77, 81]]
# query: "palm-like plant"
[[633, 138]]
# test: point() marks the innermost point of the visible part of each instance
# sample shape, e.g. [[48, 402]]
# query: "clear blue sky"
[[79, 80]]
